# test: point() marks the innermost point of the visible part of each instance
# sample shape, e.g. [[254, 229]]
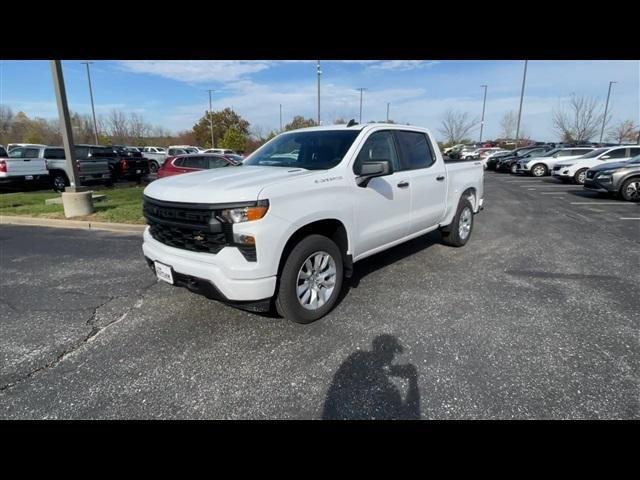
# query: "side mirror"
[[373, 169]]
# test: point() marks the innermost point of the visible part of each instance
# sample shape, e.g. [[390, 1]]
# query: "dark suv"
[[621, 178]]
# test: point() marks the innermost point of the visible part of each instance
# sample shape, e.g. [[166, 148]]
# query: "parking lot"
[[536, 317]]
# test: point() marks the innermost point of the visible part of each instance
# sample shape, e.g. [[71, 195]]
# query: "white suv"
[[543, 165]]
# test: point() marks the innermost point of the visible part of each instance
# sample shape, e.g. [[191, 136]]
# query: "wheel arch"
[[328, 227]]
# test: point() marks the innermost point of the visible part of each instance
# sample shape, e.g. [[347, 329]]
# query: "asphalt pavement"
[[536, 317]]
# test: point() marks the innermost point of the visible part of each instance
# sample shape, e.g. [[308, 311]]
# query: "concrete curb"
[[56, 223]]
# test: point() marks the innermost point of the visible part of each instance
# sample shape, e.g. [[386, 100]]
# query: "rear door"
[[426, 178]]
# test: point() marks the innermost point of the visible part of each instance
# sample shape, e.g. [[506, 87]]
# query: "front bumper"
[[595, 186], [211, 268]]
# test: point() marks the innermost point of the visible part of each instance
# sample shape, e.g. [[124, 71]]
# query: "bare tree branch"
[[457, 125]]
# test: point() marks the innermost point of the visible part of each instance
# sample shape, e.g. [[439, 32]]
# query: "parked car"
[[455, 148], [128, 164], [492, 160], [508, 163], [260, 231], [193, 163], [181, 150], [156, 157], [575, 171], [21, 166], [234, 157], [617, 178], [220, 151], [89, 171], [542, 165]]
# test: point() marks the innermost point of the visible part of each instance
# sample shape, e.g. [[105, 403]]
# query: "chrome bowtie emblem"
[[198, 238]]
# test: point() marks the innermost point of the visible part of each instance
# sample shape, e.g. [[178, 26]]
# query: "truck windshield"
[[314, 150]]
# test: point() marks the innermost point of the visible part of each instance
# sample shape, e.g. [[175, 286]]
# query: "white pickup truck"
[[289, 226]]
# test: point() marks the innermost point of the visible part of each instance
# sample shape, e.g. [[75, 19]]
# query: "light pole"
[[524, 79], [484, 103], [211, 118], [361, 90], [388, 111], [319, 73], [93, 110], [281, 117], [606, 107]]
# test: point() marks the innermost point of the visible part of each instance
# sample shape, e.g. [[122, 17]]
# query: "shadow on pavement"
[[362, 388]]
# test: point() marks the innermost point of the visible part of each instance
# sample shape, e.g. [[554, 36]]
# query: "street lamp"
[[281, 117], [388, 111], [93, 110], [361, 90], [606, 107], [211, 118], [524, 79], [484, 103]]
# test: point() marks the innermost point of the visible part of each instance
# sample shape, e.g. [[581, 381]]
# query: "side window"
[[415, 151], [54, 153], [634, 151], [379, 146], [619, 153], [217, 162], [82, 152], [31, 153], [194, 162], [17, 153], [178, 162]]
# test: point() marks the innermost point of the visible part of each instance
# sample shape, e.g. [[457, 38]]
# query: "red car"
[[193, 163]]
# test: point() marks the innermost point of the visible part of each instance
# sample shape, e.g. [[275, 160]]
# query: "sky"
[[173, 94]]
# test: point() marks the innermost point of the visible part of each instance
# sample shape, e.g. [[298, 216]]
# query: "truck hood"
[[221, 185]]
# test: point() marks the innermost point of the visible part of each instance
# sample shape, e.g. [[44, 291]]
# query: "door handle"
[[403, 184], [440, 178]]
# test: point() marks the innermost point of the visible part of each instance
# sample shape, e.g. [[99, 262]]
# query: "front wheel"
[[539, 170], [580, 176], [514, 168], [630, 190], [59, 182], [457, 234], [153, 167], [311, 280]]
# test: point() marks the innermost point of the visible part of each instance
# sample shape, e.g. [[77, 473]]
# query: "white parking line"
[[629, 218], [552, 186], [553, 193], [601, 203]]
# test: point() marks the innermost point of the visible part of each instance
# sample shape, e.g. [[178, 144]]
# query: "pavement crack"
[[95, 331]]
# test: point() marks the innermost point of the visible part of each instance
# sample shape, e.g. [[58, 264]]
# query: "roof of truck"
[[357, 126]]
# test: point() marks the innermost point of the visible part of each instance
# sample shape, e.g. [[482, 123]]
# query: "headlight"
[[246, 214]]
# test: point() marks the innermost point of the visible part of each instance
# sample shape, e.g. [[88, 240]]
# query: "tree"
[[509, 124], [300, 122], [234, 140], [579, 119], [6, 120], [117, 127], [457, 125], [624, 132], [339, 121], [222, 120]]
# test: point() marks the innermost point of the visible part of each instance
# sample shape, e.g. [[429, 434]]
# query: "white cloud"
[[402, 65], [194, 71]]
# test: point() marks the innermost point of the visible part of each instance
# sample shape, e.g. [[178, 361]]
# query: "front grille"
[[193, 227]]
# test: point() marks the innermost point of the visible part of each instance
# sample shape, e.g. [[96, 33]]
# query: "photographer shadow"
[[362, 388]]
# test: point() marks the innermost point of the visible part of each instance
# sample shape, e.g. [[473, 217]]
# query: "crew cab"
[[22, 166], [543, 165], [285, 228], [156, 157], [575, 171]]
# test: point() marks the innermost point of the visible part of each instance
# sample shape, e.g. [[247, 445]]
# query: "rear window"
[[54, 153], [102, 152], [217, 162], [3, 152]]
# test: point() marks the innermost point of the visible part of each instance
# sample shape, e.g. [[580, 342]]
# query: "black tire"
[[451, 233], [59, 182], [539, 170], [514, 168], [287, 303], [628, 192], [153, 166], [580, 175]]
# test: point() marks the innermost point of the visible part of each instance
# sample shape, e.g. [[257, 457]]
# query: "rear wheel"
[[580, 176], [630, 190], [457, 234], [311, 280], [153, 166]]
